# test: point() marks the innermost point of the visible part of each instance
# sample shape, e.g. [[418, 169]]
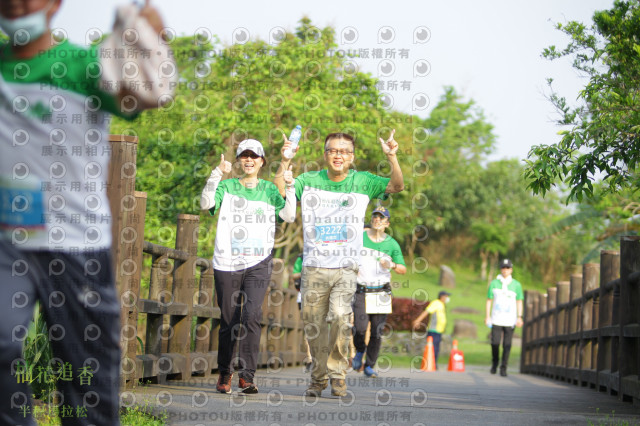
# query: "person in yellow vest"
[[438, 321]]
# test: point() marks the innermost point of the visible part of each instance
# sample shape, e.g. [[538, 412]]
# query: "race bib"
[[331, 233], [21, 206], [378, 303]]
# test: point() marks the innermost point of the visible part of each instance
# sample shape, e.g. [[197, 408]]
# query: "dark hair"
[[340, 135]]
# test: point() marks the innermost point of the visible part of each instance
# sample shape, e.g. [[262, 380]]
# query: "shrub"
[[404, 311]]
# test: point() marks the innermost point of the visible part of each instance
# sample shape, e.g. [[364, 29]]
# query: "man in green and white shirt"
[[503, 314], [334, 202]]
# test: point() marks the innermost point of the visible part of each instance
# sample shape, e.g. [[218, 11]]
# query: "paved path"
[[399, 396]]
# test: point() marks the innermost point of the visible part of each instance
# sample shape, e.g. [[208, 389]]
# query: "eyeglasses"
[[334, 152]]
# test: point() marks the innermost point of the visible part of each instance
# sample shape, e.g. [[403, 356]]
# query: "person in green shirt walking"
[[381, 255], [242, 260], [333, 203], [503, 314]]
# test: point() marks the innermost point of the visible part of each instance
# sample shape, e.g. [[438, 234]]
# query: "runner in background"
[[437, 321], [372, 301], [504, 309]]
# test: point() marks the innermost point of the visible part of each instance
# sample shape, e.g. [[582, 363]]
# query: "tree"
[[600, 221], [605, 125]]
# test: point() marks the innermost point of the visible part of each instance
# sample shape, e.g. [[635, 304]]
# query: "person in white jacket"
[[249, 208]]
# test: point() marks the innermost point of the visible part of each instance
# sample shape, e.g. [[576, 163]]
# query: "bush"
[[38, 364], [404, 311]]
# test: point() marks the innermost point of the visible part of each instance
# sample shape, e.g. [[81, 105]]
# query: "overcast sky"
[[490, 51]]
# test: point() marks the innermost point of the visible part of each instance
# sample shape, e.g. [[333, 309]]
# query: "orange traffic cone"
[[428, 356], [456, 359]]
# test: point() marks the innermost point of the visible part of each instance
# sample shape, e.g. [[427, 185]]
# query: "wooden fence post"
[[204, 360], [542, 330], [533, 333], [525, 359], [589, 342], [121, 193], [561, 328], [552, 347], [573, 328], [628, 384], [184, 288], [609, 271]]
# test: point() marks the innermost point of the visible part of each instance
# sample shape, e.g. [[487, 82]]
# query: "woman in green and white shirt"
[[249, 208], [380, 255]]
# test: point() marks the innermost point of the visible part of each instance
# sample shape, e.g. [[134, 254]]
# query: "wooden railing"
[[170, 327], [587, 331]]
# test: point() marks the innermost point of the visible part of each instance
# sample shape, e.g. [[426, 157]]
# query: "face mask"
[[26, 28], [447, 300]]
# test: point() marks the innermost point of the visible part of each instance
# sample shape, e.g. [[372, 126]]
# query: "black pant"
[[240, 295], [361, 321], [78, 299], [505, 334], [437, 338]]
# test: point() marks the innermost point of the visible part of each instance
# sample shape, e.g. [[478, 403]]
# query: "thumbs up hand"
[[224, 166]]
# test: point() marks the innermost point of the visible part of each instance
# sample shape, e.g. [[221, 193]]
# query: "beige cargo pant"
[[326, 313]]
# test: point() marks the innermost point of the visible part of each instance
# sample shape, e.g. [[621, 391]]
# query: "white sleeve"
[[208, 197], [288, 212]]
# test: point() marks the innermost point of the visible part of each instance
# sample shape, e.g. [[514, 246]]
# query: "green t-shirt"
[[246, 223], [54, 130], [333, 216], [371, 273], [504, 307]]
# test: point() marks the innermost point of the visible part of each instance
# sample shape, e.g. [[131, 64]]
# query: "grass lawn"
[[470, 292]]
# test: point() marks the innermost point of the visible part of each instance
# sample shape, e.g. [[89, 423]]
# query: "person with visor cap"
[[242, 260], [372, 301]]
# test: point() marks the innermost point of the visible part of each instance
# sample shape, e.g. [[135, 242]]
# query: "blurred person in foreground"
[[56, 99]]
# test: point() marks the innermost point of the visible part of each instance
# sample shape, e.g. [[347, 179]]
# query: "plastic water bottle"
[[294, 137]]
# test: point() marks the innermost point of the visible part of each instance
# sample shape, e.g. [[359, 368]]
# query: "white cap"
[[250, 145]]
